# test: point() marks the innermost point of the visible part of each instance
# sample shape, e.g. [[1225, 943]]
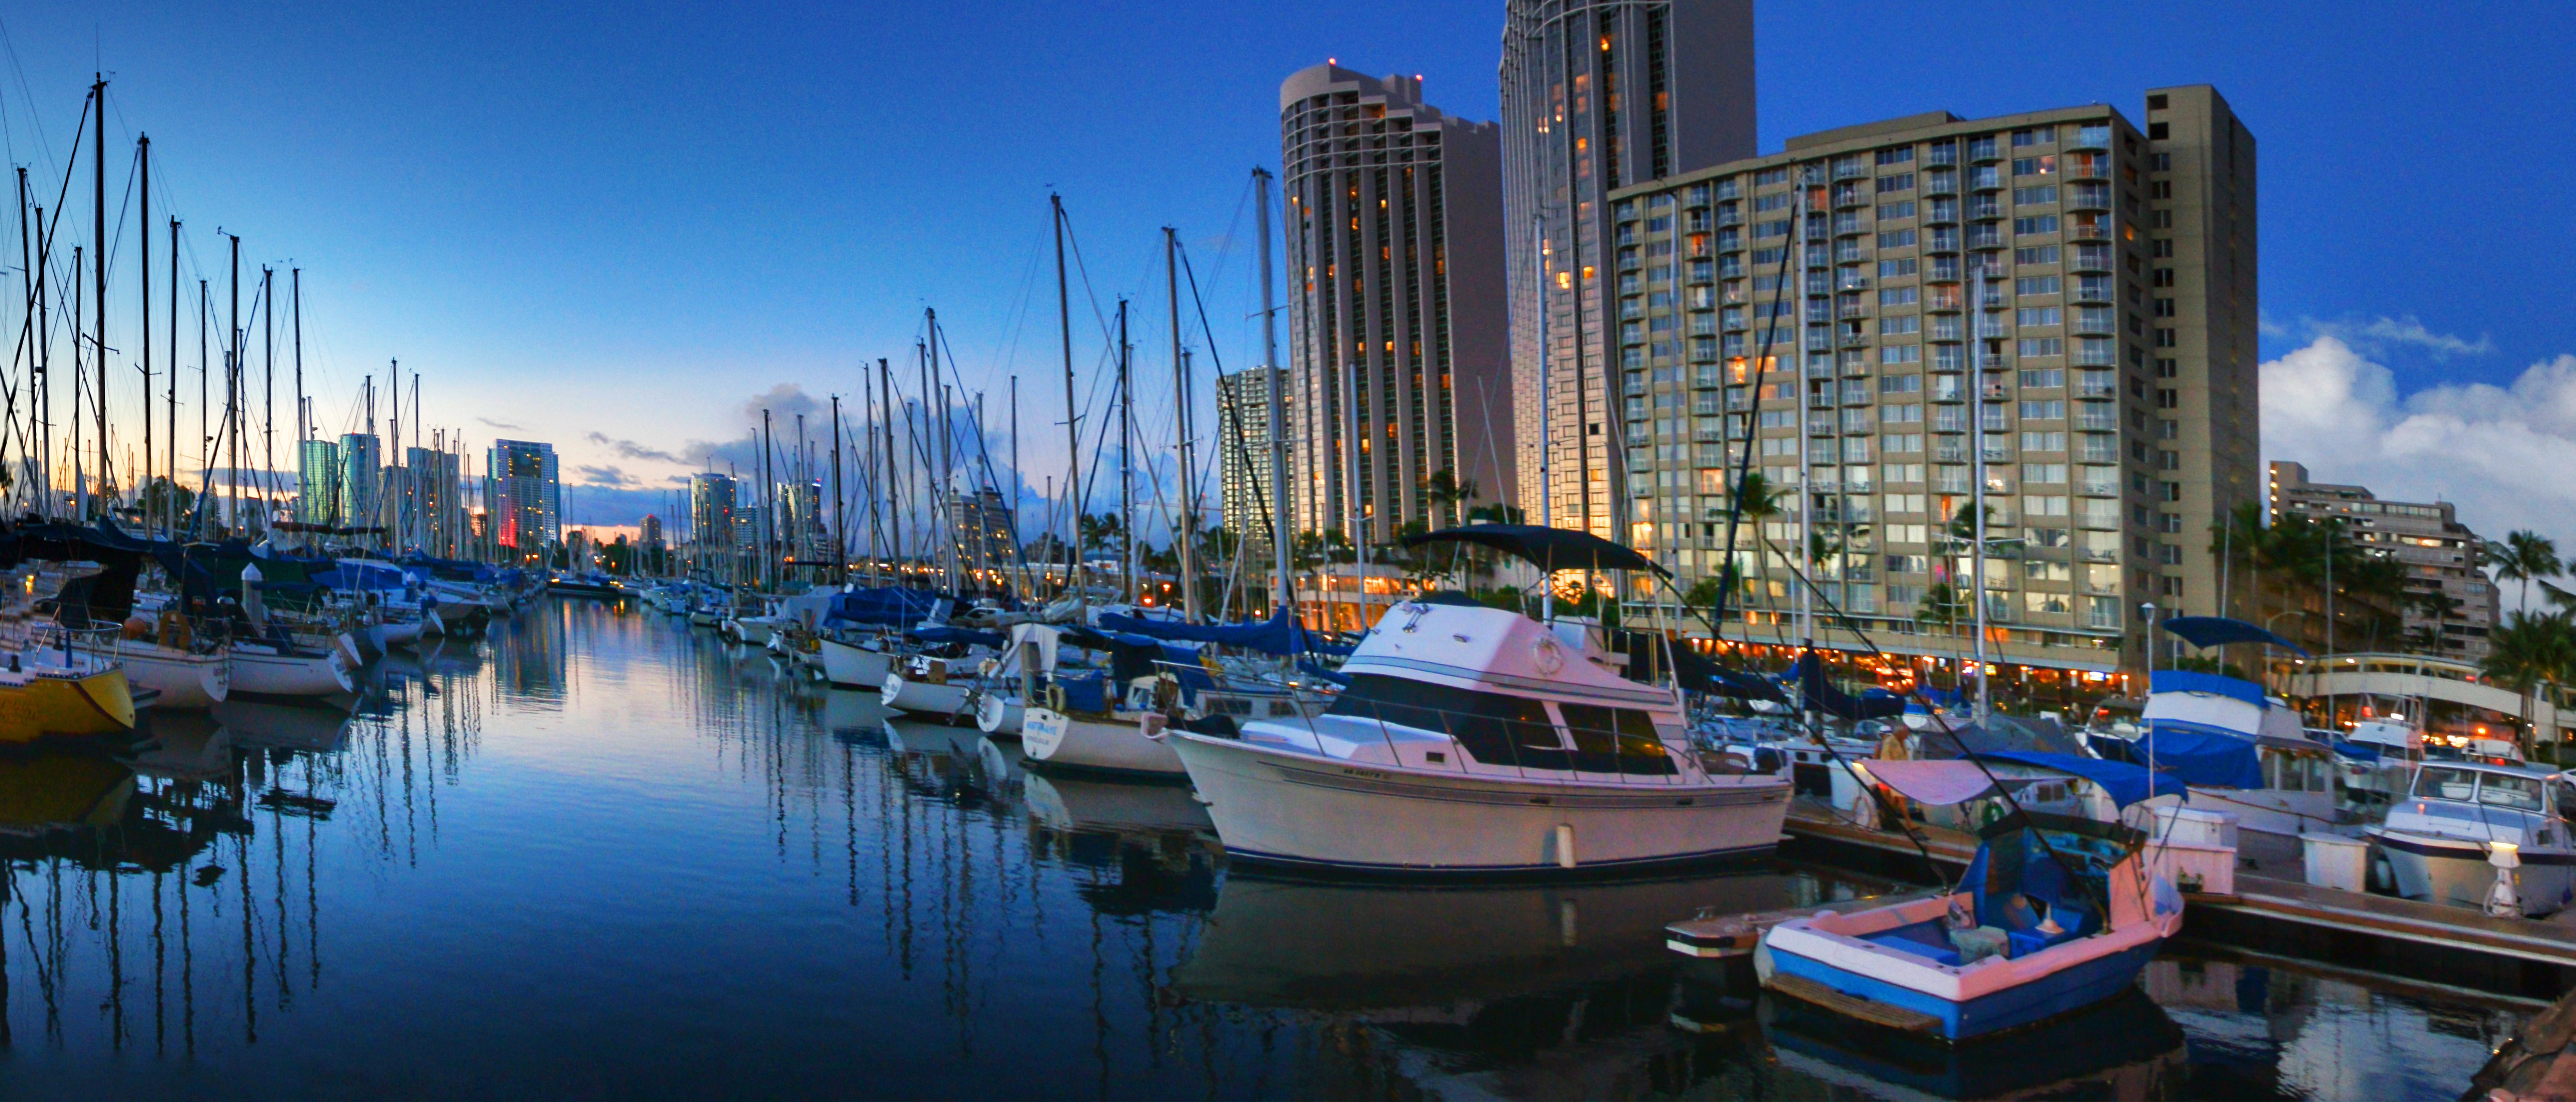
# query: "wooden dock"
[[2337, 919], [1719, 936]]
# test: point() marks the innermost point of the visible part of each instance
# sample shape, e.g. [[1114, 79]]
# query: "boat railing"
[[94, 644], [1632, 757]]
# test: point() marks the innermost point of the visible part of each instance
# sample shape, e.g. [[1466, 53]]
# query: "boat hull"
[[53, 707], [855, 667], [184, 680], [2455, 872], [267, 673], [921, 698], [996, 714], [2037, 999], [1056, 740], [1284, 808]]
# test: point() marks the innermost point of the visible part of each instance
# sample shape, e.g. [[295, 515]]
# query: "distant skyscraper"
[[1243, 454], [1398, 346], [361, 456], [648, 532], [711, 510], [800, 525], [526, 494], [429, 489], [317, 483], [1597, 95]]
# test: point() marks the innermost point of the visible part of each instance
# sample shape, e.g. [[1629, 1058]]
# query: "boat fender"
[[1565, 845], [1055, 698]]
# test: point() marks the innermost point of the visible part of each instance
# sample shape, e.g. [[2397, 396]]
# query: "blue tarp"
[[2200, 755], [1281, 634], [2218, 631], [883, 606], [942, 633], [2127, 784], [2191, 681], [2357, 751]]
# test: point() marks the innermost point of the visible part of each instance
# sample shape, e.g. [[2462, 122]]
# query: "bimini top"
[[2218, 631], [1550, 548]]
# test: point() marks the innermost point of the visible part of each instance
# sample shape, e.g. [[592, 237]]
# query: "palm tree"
[[1446, 491], [1944, 607], [1756, 500], [2524, 556], [2532, 651]]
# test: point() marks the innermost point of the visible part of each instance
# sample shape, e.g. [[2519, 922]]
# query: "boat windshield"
[[2444, 783], [2505, 790]]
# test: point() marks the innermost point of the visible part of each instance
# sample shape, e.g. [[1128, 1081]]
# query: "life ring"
[[1548, 655]]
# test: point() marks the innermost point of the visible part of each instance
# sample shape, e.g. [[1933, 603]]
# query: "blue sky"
[[629, 220]]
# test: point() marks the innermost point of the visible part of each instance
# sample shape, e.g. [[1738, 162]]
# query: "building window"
[[2161, 248], [2035, 166], [2037, 315], [2160, 189], [2165, 337], [2157, 131], [2160, 162], [2168, 398], [1897, 156], [2167, 367], [2164, 277]]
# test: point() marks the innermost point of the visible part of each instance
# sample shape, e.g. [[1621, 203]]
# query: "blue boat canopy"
[[1550, 549], [2200, 755], [882, 606], [2218, 631], [1281, 634], [2126, 783]]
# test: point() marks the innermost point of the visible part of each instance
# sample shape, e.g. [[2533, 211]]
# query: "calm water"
[[599, 857]]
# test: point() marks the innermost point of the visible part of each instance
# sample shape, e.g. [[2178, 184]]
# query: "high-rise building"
[[1397, 337], [317, 483], [361, 475], [526, 494], [2111, 354], [800, 523], [711, 508], [648, 534], [984, 533], [1243, 453], [429, 494], [2453, 605], [1598, 95]]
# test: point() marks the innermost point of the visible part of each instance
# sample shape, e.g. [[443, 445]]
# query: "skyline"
[[560, 218]]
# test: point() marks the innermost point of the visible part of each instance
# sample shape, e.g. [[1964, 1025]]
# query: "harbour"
[[481, 882]]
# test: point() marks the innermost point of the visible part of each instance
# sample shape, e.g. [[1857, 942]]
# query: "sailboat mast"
[[232, 398], [1019, 555], [768, 510], [143, 328], [840, 505], [1280, 595], [295, 281], [170, 497], [893, 491], [1072, 411], [268, 395], [945, 500], [1185, 540], [205, 418], [98, 262], [1126, 459], [80, 455]]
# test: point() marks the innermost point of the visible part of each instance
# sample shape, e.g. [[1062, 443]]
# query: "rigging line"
[[1229, 402], [26, 92], [1089, 293]]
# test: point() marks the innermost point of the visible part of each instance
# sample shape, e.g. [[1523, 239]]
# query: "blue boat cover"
[[2218, 631], [2192, 681], [942, 633], [2357, 751], [2200, 755], [1550, 549], [1280, 634], [882, 606], [2126, 783]]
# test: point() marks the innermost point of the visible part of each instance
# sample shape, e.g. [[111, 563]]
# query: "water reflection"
[[600, 855]]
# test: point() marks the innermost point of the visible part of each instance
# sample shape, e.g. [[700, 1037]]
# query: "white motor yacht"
[[1477, 740], [2465, 822]]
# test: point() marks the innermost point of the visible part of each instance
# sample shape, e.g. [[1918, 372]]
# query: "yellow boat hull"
[[99, 704]]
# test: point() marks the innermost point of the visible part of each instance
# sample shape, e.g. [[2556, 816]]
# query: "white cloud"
[[2380, 333], [2503, 454]]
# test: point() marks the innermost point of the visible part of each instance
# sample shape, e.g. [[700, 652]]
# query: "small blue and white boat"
[[2055, 914]]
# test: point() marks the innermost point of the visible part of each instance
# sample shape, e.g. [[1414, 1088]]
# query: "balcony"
[[1848, 195], [1636, 385], [1986, 235], [1851, 281], [1850, 170], [2092, 257], [2089, 196]]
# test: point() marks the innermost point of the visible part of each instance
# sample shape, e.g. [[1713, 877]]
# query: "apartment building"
[[1597, 95], [1398, 343], [2442, 557], [2060, 304], [1243, 459]]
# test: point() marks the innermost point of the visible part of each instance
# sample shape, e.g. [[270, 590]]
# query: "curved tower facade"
[[1599, 95]]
